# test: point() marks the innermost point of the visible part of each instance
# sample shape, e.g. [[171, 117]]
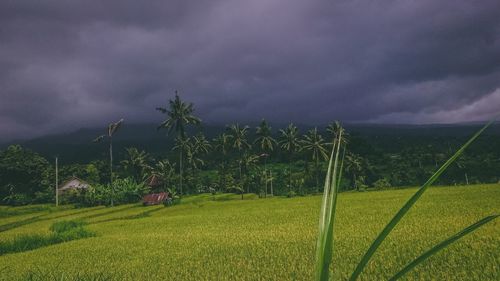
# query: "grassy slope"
[[268, 239]]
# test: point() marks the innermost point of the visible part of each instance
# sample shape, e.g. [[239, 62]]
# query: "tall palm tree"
[[247, 163], [289, 142], [200, 144], [266, 143], [314, 143], [238, 138], [112, 129], [264, 137], [221, 144], [182, 144], [334, 129], [179, 115], [354, 166], [136, 163], [193, 160]]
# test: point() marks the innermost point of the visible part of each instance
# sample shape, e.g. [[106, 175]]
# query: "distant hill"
[[77, 146]]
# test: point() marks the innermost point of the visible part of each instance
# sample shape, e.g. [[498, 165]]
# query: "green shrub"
[[17, 199], [382, 183], [64, 226], [62, 231], [128, 191]]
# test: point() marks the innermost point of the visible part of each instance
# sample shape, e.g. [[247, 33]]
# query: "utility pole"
[[271, 179], [57, 184], [265, 183], [111, 168]]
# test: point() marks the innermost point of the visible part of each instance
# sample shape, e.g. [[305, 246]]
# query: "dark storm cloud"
[[68, 64]]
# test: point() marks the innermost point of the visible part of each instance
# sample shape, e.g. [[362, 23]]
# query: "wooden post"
[[271, 179], [57, 184]]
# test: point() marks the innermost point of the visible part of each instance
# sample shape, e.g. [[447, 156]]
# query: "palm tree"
[[264, 137], [222, 145], [112, 129], [193, 160], [238, 138], [165, 171], [289, 142], [314, 143], [179, 115], [462, 166], [247, 163], [334, 129], [136, 163], [266, 143], [200, 144], [182, 144], [354, 166]]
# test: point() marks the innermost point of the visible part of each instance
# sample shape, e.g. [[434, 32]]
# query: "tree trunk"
[[180, 172], [265, 184], [111, 170], [290, 174], [466, 179], [317, 176], [354, 181], [265, 176], [271, 178], [57, 184], [239, 165]]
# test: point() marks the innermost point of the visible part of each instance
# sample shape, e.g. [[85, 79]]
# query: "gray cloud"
[[68, 64]]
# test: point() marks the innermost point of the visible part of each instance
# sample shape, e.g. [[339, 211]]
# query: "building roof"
[[73, 183], [155, 198]]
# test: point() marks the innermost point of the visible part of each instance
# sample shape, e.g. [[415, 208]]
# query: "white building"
[[73, 184]]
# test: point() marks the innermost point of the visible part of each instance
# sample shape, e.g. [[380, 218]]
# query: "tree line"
[[240, 159]]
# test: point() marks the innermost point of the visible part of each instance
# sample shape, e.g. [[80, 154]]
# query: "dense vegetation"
[[260, 160], [224, 238]]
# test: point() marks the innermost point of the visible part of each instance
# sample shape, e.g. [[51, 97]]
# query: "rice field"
[[224, 238]]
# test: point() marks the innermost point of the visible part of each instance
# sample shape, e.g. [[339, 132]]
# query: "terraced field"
[[223, 238]]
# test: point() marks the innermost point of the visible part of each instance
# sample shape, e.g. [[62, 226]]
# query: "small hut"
[[155, 184], [73, 183], [155, 198]]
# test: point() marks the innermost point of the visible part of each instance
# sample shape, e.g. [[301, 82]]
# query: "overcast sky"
[[71, 64]]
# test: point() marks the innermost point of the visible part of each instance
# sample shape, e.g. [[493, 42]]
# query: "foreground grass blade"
[[341, 167], [406, 207], [324, 247], [320, 245], [443, 245]]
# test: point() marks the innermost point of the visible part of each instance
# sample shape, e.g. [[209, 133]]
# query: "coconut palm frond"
[[162, 109], [113, 127], [98, 139]]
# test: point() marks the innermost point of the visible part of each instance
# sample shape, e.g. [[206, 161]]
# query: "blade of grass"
[[324, 248], [320, 245], [443, 245], [406, 207], [341, 166]]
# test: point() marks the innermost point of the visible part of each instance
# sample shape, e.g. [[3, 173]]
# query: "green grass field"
[[261, 239]]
